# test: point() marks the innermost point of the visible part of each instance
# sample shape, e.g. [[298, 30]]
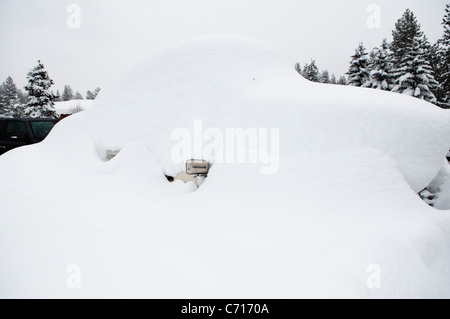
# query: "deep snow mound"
[[238, 82], [340, 206]]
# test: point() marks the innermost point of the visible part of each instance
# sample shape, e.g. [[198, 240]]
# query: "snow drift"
[[343, 203], [230, 82], [73, 106]]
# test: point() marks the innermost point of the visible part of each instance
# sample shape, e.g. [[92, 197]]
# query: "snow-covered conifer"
[[40, 99], [359, 72], [381, 74]]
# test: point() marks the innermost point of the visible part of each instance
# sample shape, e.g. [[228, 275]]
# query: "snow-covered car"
[[20, 132], [338, 216]]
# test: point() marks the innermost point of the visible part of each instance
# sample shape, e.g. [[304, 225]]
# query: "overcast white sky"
[[115, 34]]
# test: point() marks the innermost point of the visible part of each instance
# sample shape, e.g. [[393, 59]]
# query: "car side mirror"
[[197, 167]]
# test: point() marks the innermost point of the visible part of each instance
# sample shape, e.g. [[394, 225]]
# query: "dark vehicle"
[[20, 132]]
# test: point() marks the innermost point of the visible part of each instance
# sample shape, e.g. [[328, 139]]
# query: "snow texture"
[[343, 203], [440, 188], [73, 106]]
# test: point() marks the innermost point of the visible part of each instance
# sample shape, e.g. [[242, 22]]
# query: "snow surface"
[[74, 106], [344, 199], [440, 186]]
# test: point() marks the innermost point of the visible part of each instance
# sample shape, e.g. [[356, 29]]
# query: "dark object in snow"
[[428, 197], [20, 132], [110, 154], [196, 172]]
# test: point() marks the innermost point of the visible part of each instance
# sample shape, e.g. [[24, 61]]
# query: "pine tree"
[[78, 96], [40, 99], [436, 58], [57, 96], [333, 79], [342, 81], [411, 56], [90, 95], [93, 95], [298, 68], [10, 99], [444, 65], [23, 97], [415, 75], [9, 90], [18, 108], [311, 72], [325, 77], [382, 75], [359, 72], [406, 29], [96, 92], [4, 101], [3, 110], [67, 94]]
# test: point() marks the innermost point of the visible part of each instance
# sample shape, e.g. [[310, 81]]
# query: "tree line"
[[408, 65], [38, 100], [311, 72], [69, 95]]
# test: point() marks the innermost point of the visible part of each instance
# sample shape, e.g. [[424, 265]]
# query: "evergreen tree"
[[3, 110], [23, 97], [333, 79], [382, 74], [359, 73], [4, 100], [78, 96], [10, 100], [96, 92], [9, 90], [342, 81], [18, 109], [298, 68], [325, 77], [90, 95], [444, 54], [415, 75], [67, 94], [413, 61], [406, 29], [436, 58], [57, 96], [40, 99], [311, 72]]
